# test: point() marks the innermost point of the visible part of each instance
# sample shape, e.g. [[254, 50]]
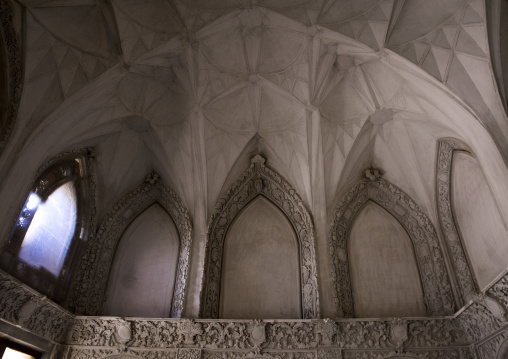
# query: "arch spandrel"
[[436, 284], [260, 180]]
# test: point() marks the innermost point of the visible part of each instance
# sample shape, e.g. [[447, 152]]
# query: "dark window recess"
[[11, 350]]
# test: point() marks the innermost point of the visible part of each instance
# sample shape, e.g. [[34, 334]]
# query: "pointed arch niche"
[[474, 229], [263, 194], [404, 215], [147, 205]]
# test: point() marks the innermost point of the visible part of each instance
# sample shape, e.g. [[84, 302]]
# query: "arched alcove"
[[142, 276], [260, 270], [89, 291], [259, 181], [436, 286], [384, 273], [480, 224]]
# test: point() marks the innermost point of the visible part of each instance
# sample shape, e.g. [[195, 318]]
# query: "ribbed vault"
[[192, 89]]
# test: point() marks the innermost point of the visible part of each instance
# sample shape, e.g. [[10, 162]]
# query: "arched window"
[[49, 229]]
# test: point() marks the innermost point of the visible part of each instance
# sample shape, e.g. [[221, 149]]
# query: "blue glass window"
[[50, 230]]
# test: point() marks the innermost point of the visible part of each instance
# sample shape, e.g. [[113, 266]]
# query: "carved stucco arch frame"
[[91, 281], [435, 282], [461, 266], [259, 180]]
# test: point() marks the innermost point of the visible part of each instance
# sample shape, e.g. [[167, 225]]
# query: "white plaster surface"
[[143, 271], [260, 270], [480, 224], [384, 273]]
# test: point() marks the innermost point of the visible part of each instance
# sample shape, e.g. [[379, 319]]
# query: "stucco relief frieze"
[[451, 234], [478, 321], [87, 353], [499, 291], [437, 354], [490, 348], [15, 68], [329, 354], [468, 352], [80, 353], [436, 285], [254, 355], [259, 180], [189, 353], [435, 333], [280, 335], [94, 337], [28, 309], [91, 280]]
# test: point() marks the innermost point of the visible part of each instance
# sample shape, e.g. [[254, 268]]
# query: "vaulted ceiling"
[[192, 89]]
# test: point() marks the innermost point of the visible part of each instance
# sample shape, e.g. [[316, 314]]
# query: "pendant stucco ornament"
[[123, 332], [28, 308], [189, 329], [398, 332], [372, 174], [258, 184], [327, 328], [257, 332], [492, 305]]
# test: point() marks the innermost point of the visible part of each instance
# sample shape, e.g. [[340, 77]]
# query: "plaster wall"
[[143, 272], [260, 277], [481, 226], [384, 273]]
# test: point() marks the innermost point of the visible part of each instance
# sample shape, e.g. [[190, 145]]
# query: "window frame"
[[69, 169]]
